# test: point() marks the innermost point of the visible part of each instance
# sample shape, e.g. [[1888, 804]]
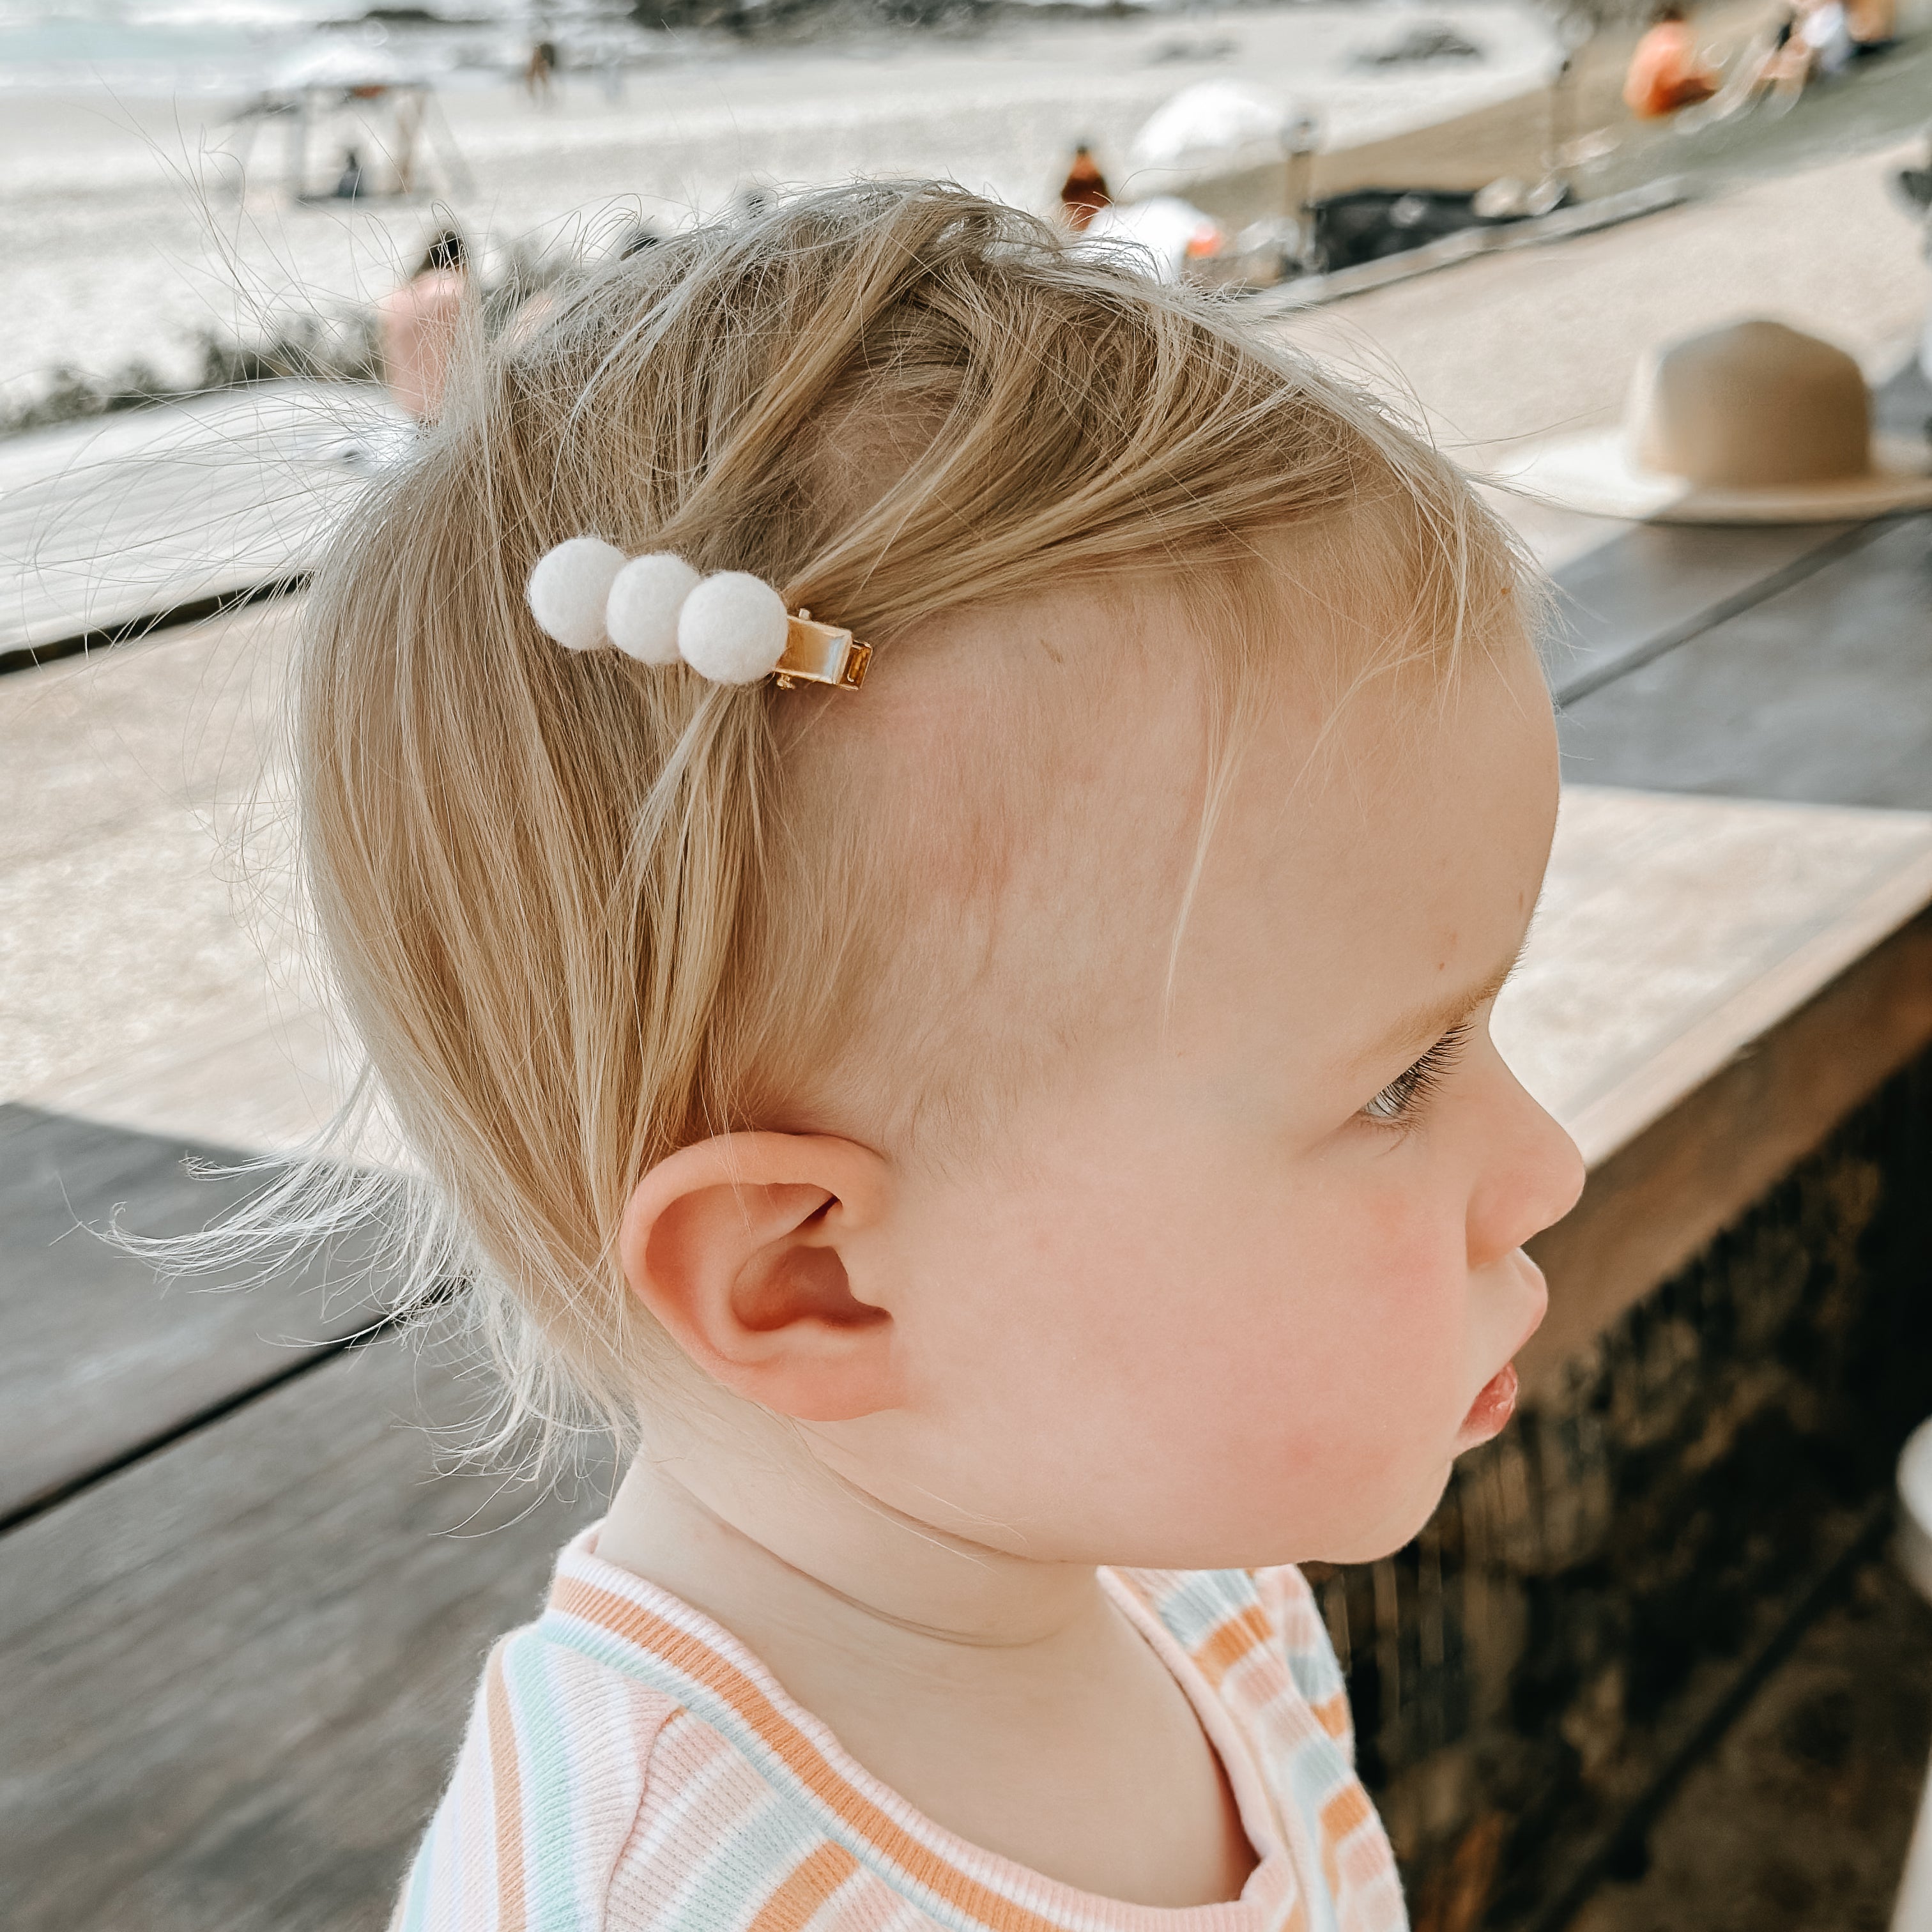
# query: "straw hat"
[[1754, 423]]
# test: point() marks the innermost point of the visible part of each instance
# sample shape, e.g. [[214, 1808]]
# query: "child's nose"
[[1533, 1177]]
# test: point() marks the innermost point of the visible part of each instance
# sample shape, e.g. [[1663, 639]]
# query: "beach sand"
[[128, 225]]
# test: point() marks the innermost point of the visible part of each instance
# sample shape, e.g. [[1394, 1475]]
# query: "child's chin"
[[1402, 1523], [1263, 1546]]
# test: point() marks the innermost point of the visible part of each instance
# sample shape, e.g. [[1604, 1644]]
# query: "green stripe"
[[418, 1884], [549, 1819]]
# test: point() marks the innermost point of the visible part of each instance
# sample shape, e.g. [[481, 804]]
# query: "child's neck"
[[1009, 1700], [775, 1543]]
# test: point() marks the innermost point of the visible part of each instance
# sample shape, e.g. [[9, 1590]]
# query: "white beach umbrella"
[[1213, 126]]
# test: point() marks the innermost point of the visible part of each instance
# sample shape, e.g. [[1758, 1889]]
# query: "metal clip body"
[[821, 654]]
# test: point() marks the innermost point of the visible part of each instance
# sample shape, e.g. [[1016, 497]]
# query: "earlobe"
[[759, 1254]]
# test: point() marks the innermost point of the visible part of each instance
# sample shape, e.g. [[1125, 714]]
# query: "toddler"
[[1007, 1131]]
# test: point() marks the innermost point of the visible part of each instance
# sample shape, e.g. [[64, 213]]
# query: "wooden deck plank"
[[105, 522], [1674, 932], [1659, 584], [97, 1356], [1822, 692], [237, 1670], [1645, 588]]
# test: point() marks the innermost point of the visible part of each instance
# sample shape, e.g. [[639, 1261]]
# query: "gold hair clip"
[[817, 653]]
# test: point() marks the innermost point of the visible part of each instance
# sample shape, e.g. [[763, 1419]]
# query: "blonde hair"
[[559, 895]]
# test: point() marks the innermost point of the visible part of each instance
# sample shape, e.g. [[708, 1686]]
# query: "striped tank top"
[[629, 1765]]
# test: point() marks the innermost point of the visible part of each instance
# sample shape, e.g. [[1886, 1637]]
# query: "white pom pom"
[[641, 612], [732, 628], [569, 588]]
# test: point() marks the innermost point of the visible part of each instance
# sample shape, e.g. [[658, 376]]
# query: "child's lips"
[[1494, 1405], [1495, 1400]]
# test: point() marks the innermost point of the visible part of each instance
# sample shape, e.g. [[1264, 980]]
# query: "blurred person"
[[1812, 38], [411, 111], [351, 183], [1873, 25], [1016, 1149], [419, 322], [1824, 27], [540, 71], [1083, 193], [1665, 71], [1779, 62]]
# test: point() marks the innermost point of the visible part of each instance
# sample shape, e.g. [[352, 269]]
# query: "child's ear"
[[741, 1246]]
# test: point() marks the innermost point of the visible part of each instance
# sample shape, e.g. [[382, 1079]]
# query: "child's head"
[[1057, 1075]]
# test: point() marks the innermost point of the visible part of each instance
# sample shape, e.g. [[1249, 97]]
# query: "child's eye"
[[1402, 1101]]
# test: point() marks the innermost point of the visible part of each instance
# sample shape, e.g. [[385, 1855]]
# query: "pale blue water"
[[152, 47]]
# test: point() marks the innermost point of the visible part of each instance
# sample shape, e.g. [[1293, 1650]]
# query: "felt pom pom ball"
[[568, 588], [732, 628], [640, 613]]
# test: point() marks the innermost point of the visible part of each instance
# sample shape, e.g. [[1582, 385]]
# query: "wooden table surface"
[[239, 1650], [118, 518], [237, 1669], [101, 1359]]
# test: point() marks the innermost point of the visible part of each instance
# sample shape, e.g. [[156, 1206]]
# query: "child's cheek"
[[1384, 1337]]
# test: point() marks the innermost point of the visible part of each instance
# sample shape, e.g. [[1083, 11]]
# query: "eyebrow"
[[1430, 1022]]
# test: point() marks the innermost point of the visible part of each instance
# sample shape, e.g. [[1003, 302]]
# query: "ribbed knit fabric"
[[631, 1767]]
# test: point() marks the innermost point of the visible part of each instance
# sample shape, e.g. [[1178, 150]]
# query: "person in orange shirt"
[[419, 323], [1665, 73]]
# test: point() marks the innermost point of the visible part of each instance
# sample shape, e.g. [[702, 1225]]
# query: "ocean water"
[[189, 48]]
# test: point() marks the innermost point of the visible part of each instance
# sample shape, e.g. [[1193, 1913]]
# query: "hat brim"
[[1596, 474]]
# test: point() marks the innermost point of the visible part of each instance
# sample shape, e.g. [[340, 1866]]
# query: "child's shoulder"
[[629, 1765], [548, 1786]]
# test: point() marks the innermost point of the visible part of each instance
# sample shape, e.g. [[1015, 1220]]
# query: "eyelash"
[[1400, 1104]]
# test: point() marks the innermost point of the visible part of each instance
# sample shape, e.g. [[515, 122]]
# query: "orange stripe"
[[1331, 1868], [1365, 1862], [812, 1881], [1332, 1715], [508, 1788], [1348, 1808], [697, 1659], [1227, 1643]]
